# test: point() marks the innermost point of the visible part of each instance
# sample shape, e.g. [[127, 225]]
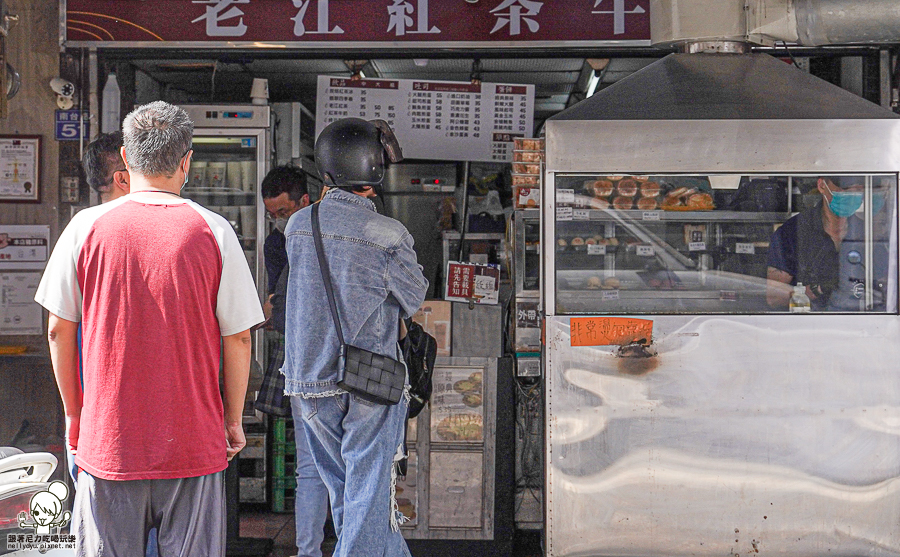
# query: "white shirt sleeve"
[[237, 307], [59, 291]]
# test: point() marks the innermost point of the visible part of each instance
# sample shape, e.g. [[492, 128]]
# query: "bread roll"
[[649, 189], [602, 188], [700, 201], [627, 187], [623, 202], [647, 203]]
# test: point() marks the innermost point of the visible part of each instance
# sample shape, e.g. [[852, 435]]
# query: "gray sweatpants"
[[112, 518]]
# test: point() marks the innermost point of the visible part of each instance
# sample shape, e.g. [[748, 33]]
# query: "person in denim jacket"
[[376, 279]]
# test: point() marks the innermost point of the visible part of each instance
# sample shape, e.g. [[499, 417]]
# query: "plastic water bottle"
[[111, 105], [799, 299]]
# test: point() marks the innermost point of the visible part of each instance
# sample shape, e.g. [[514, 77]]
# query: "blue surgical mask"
[[878, 200], [844, 203]]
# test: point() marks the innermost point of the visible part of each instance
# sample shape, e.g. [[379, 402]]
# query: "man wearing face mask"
[[284, 192], [818, 247]]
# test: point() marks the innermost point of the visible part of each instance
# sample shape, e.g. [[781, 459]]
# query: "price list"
[[438, 120]]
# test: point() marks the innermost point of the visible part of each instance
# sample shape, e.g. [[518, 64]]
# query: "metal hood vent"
[[723, 87]]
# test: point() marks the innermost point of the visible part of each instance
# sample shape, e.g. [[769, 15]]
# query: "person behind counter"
[[812, 247]]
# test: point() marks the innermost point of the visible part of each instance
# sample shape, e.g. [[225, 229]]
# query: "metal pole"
[[465, 210], [94, 108], [884, 74]]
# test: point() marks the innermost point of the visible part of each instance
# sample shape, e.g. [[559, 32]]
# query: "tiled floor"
[[280, 528], [277, 527]]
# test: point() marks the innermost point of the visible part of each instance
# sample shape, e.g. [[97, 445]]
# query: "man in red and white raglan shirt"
[[162, 288]]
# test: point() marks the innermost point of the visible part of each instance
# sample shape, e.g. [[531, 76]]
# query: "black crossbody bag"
[[368, 375]]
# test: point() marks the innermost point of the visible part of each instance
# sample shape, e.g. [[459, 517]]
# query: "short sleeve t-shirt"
[[155, 285]]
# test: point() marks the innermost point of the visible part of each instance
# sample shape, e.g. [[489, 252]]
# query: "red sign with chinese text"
[[460, 280], [367, 23]]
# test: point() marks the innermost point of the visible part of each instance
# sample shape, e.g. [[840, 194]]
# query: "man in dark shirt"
[[284, 193], [817, 247]]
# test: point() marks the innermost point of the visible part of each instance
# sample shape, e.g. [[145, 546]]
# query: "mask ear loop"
[[186, 155]]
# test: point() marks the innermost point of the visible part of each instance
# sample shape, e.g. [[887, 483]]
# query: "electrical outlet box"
[[68, 189]]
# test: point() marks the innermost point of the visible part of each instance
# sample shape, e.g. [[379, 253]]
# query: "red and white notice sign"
[[471, 282]]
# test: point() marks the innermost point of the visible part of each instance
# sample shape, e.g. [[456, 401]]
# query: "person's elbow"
[[60, 330], [241, 339]]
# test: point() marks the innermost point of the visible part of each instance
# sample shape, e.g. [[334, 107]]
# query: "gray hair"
[[157, 136]]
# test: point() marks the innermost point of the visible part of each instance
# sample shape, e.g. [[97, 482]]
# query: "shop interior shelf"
[[606, 215]]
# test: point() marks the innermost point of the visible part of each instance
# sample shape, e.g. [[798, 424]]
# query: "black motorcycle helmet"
[[350, 153]]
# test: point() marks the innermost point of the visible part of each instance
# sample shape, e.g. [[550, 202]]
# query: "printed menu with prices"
[[438, 120]]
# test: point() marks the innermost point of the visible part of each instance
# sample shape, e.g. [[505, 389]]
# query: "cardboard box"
[[434, 317]]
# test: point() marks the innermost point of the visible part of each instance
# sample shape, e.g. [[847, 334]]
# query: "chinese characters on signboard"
[[471, 282], [438, 120], [357, 21]]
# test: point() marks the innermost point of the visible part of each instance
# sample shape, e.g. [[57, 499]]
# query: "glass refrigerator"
[[231, 157]]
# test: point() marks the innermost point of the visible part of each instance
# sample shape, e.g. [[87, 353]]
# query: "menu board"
[[437, 120]]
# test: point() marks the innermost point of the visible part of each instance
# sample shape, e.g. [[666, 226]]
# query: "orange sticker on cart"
[[605, 331]]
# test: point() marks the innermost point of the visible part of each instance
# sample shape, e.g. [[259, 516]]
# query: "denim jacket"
[[375, 277]]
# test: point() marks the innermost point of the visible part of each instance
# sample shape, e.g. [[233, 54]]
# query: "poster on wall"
[[20, 168], [19, 313], [457, 405], [435, 120], [24, 246]]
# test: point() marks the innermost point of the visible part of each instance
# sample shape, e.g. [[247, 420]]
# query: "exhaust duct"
[[718, 25]]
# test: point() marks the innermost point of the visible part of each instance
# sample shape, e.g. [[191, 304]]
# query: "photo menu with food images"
[[438, 120]]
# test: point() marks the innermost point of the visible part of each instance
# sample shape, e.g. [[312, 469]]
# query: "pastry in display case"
[[700, 243]]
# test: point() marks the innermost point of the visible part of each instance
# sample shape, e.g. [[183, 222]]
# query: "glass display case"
[[696, 243], [684, 400]]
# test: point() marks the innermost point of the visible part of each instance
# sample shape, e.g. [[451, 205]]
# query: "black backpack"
[[419, 352]]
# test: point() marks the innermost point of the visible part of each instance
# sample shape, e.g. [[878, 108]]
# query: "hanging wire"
[[790, 54]]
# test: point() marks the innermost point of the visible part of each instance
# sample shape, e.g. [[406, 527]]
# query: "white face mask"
[[281, 223]]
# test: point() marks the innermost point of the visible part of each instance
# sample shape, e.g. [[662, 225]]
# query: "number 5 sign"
[[69, 127]]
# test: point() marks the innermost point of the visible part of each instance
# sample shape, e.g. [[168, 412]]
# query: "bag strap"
[[326, 274]]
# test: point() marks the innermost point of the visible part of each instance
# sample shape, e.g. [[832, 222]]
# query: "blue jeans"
[[353, 443], [310, 497]]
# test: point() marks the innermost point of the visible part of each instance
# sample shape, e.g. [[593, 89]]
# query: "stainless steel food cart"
[[685, 415]]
